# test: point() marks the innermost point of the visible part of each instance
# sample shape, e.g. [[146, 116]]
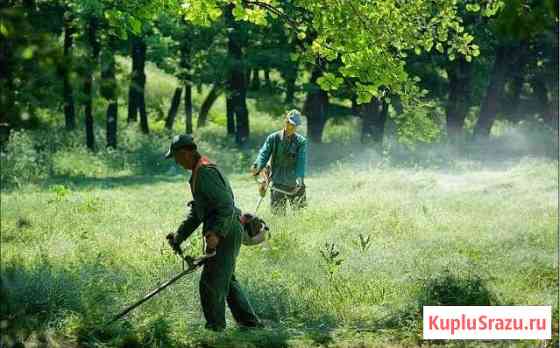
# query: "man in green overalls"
[[287, 151], [213, 206]]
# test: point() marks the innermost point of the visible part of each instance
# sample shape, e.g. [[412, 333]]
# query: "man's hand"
[[173, 243], [212, 241], [299, 183], [254, 171], [262, 189]]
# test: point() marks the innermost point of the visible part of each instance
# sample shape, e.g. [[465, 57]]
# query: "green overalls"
[[213, 205]]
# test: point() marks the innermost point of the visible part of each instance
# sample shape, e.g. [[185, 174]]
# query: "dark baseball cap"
[[178, 142]]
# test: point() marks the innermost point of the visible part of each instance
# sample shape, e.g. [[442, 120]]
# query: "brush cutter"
[[263, 179], [289, 193], [193, 265]]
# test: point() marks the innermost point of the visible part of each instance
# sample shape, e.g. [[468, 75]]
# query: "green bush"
[[448, 289], [21, 161], [344, 131]]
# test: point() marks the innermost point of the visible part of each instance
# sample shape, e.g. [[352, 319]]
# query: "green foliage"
[[346, 31], [342, 131], [202, 12], [363, 243], [60, 191], [473, 7], [331, 257], [32, 59], [520, 20], [32, 156], [21, 162], [363, 49], [419, 123], [329, 82], [255, 16]]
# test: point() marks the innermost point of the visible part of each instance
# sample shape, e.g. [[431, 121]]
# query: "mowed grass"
[[75, 254]]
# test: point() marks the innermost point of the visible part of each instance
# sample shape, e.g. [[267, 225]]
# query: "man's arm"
[[211, 186], [264, 154], [301, 159], [188, 226]]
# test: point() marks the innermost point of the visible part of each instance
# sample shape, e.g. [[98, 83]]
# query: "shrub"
[[21, 161], [448, 289]]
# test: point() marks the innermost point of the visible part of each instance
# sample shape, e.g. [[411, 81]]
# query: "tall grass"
[[82, 236], [74, 255]]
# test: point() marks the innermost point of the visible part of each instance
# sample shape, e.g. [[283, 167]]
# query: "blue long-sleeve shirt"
[[289, 157]]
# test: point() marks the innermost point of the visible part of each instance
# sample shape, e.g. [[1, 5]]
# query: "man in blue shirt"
[[287, 152]]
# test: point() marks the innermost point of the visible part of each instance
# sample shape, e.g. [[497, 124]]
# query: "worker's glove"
[[212, 241], [174, 242], [254, 170], [299, 183], [262, 189]]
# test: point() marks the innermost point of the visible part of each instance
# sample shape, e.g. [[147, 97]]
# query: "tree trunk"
[[289, 74], [175, 102], [458, 101], [517, 73], [494, 93], [138, 84], [545, 86], [132, 104], [290, 89], [185, 74], [136, 90], [255, 82], [112, 117], [241, 122], [237, 84], [267, 77], [354, 106], [88, 116], [514, 80], [553, 114], [207, 104], [88, 82], [188, 108], [553, 86], [248, 78], [373, 114], [396, 103], [143, 114], [315, 107], [109, 90], [548, 115], [8, 107], [230, 116], [69, 113]]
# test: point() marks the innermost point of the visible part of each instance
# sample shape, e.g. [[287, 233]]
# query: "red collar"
[[203, 161]]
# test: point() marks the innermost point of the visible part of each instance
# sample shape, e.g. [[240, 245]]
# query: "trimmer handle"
[[197, 261]]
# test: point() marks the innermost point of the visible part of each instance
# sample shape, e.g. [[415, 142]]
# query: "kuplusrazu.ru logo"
[[487, 322]]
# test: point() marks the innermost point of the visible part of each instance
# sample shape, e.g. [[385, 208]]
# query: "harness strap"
[[274, 148], [203, 161]]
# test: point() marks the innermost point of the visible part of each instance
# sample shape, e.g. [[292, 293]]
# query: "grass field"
[[74, 254], [85, 237]]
